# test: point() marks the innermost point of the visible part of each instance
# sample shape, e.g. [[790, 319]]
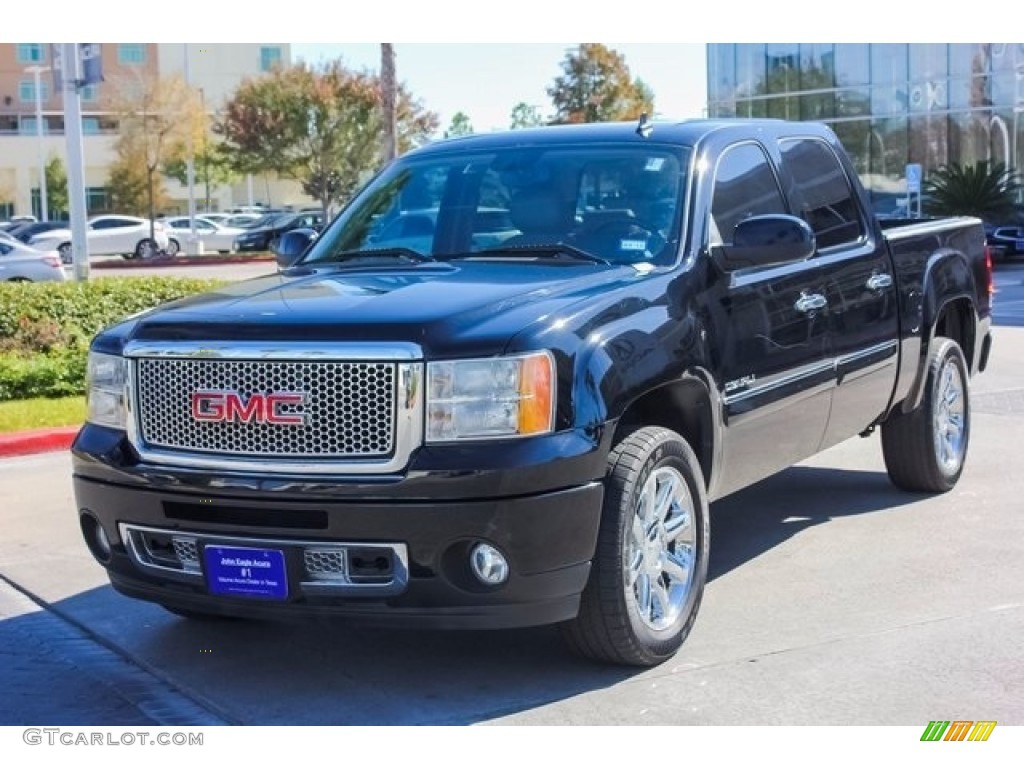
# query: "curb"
[[182, 261], [37, 441]]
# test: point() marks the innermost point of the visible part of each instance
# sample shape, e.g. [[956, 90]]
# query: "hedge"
[[45, 328]]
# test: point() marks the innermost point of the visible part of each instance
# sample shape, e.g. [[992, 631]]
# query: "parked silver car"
[[20, 262], [214, 236]]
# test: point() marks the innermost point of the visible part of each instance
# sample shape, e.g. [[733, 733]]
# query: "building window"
[[97, 199], [88, 93], [131, 53], [31, 53], [27, 126], [269, 58], [90, 125], [27, 91], [6, 210]]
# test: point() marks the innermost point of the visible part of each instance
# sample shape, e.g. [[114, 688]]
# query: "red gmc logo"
[[222, 405]]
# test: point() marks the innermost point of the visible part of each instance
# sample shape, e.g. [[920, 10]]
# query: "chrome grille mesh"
[[324, 562], [187, 550], [349, 407]]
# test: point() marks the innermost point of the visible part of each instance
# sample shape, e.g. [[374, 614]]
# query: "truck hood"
[[447, 308]]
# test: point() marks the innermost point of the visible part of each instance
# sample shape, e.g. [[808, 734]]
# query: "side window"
[[823, 194], [745, 186]]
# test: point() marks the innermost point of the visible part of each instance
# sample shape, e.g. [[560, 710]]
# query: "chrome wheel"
[[925, 449], [651, 560], [660, 549], [949, 420]]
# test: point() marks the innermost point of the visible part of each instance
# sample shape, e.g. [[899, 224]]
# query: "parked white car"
[[20, 262], [111, 235], [214, 236]]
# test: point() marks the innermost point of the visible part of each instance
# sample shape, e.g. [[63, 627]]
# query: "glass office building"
[[890, 103]]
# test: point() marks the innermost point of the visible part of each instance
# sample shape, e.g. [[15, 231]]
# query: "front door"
[[771, 324]]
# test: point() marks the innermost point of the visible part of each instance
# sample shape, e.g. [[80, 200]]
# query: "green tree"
[[525, 116], [320, 126], [56, 187], [982, 190], [459, 126], [212, 169], [596, 86]]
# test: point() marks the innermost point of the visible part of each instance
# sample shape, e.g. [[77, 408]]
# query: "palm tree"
[[986, 191]]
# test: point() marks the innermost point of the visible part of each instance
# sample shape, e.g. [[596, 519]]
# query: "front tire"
[[925, 449], [172, 247], [651, 563]]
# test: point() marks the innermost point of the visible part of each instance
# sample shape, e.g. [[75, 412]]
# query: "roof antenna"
[[644, 127]]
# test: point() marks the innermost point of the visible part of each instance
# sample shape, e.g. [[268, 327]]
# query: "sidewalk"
[[37, 441]]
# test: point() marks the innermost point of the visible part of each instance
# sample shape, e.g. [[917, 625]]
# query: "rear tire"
[[145, 249], [64, 251], [925, 449], [651, 563]]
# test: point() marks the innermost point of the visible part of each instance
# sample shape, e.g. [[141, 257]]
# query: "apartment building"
[[215, 69]]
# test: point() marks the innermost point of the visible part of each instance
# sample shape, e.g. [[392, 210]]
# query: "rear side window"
[[745, 186], [824, 197]]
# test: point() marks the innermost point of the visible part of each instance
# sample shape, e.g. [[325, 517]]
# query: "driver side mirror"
[[762, 241], [291, 245]]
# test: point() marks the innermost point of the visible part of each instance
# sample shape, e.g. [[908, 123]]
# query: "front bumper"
[[548, 539]]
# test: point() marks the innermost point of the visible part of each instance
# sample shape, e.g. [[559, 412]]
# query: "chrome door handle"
[[879, 282], [809, 302]]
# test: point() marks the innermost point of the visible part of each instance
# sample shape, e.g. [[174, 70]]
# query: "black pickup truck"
[[502, 387]]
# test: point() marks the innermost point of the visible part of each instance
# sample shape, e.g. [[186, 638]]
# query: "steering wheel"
[[620, 238]]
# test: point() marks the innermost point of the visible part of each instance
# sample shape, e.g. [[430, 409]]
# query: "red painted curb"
[[182, 261], [37, 441]]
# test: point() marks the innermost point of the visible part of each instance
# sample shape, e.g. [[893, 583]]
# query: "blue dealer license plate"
[[244, 572]]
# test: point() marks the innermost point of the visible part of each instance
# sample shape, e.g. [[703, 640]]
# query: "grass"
[[17, 415]]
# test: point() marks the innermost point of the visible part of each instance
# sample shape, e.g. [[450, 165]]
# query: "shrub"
[[45, 328]]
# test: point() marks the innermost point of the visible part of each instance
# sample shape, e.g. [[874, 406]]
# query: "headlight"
[[492, 397], [106, 380]]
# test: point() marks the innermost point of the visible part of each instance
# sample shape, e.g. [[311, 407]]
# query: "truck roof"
[[683, 133]]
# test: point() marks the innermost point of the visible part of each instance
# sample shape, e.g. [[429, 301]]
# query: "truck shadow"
[[758, 518], [329, 673]]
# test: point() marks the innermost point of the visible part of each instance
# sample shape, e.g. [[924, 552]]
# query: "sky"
[[487, 80]]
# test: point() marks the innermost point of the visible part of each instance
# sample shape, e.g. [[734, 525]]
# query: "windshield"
[[608, 202]]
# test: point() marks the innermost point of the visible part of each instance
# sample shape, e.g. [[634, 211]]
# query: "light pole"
[[37, 70]]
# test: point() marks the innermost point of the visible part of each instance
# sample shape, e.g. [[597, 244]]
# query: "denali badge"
[[225, 405]]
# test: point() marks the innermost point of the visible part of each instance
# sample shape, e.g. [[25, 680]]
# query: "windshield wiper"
[[552, 249], [401, 252]]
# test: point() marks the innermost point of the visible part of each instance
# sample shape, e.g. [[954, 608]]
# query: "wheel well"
[[956, 323], [685, 408]]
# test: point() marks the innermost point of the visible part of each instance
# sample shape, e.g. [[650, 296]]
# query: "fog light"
[[95, 537], [488, 564]]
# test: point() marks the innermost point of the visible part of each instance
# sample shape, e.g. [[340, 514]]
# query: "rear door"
[[770, 325], [860, 289]]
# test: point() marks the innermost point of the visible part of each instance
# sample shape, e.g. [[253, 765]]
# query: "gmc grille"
[[349, 407]]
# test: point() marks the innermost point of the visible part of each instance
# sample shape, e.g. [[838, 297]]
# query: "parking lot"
[[833, 599]]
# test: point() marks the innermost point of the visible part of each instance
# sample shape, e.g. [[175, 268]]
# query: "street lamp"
[[36, 71]]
